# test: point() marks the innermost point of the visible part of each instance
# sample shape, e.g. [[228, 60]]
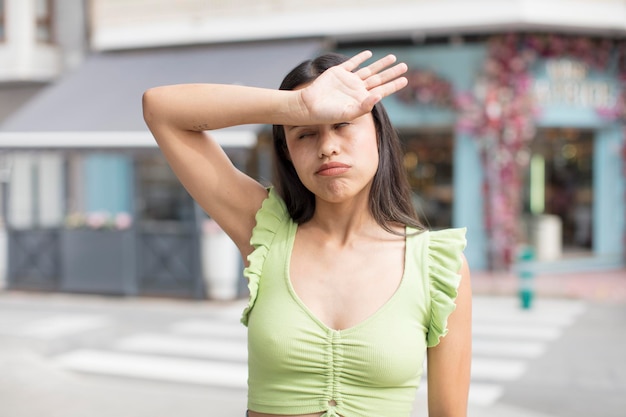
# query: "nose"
[[329, 143]]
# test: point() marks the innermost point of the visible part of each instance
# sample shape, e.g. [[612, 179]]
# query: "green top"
[[297, 365]]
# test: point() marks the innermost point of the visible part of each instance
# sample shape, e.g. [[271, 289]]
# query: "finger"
[[376, 67], [354, 62], [368, 104], [386, 76], [389, 88]]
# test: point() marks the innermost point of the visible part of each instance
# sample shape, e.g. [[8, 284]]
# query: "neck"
[[343, 222]]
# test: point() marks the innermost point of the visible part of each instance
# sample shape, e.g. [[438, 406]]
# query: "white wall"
[[124, 24], [21, 57]]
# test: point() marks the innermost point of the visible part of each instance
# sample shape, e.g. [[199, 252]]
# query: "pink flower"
[[123, 221], [97, 219]]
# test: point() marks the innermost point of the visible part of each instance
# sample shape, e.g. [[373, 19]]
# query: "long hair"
[[390, 194]]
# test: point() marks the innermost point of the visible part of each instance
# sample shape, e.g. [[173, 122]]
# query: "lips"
[[332, 168]]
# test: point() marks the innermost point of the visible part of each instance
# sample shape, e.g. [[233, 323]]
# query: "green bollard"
[[526, 276]]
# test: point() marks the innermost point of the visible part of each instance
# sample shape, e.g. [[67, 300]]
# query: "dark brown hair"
[[390, 195]]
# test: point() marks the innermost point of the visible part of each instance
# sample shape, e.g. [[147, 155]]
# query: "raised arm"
[[179, 116]]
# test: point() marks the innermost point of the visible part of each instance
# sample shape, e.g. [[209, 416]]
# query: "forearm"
[[197, 107]]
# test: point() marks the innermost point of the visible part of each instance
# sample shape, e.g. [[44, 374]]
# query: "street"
[[69, 356]]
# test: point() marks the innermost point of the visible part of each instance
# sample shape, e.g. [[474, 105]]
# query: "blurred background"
[[513, 125]]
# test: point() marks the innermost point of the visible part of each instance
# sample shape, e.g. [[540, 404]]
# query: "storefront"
[[576, 155], [519, 138], [91, 205]]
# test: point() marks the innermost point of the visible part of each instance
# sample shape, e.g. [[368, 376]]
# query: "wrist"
[[295, 111]]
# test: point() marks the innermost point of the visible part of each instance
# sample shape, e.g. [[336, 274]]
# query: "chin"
[[339, 192]]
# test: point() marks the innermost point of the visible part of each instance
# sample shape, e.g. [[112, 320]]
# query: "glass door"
[[559, 183]]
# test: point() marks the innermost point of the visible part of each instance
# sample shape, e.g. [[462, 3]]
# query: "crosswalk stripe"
[[484, 394], [551, 311], [516, 349], [497, 369], [495, 317], [209, 328], [231, 375], [517, 331], [174, 345], [61, 325]]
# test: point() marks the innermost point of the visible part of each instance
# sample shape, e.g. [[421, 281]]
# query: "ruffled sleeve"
[[271, 215], [444, 262]]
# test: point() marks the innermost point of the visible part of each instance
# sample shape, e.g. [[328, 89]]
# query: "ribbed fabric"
[[297, 365]]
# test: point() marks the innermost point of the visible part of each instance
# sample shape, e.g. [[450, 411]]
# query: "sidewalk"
[[597, 286]]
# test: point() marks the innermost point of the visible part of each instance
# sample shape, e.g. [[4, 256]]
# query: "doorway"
[[559, 185]]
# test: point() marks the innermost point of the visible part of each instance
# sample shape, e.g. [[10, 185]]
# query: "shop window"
[[36, 190], [559, 184], [428, 161], [43, 20], [162, 197], [2, 21]]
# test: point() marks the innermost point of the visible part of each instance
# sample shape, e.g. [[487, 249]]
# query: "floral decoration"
[[427, 88], [500, 113], [99, 220]]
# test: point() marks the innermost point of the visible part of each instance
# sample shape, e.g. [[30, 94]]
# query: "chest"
[[317, 318], [344, 286]]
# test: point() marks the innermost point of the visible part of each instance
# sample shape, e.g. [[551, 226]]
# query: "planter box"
[[98, 261]]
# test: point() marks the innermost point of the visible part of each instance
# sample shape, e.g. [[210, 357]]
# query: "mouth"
[[332, 168]]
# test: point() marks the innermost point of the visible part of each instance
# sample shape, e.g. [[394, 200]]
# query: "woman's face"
[[335, 162]]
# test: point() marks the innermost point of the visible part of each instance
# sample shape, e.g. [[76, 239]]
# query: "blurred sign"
[[568, 82]]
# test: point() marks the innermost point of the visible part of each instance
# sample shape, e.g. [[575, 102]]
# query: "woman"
[[347, 291]]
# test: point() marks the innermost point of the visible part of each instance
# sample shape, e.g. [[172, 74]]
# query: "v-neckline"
[[307, 310]]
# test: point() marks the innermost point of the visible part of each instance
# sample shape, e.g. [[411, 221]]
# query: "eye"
[[305, 134], [342, 124]]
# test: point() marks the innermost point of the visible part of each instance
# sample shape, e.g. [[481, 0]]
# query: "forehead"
[[367, 118]]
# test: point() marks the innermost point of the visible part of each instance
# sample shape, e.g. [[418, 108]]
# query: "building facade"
[[39, 42], [513, 125]]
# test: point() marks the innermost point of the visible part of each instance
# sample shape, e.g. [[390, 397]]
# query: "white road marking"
[[197, 327], [484, 394], [214, 373], [497, 369], [513, 331], [227, 350], [62, 326], [512, 349]]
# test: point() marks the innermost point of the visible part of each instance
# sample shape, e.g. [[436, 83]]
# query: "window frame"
[[45, 21], [3, 26]]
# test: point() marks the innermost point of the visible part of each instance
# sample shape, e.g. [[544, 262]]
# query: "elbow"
[[148, 105]]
